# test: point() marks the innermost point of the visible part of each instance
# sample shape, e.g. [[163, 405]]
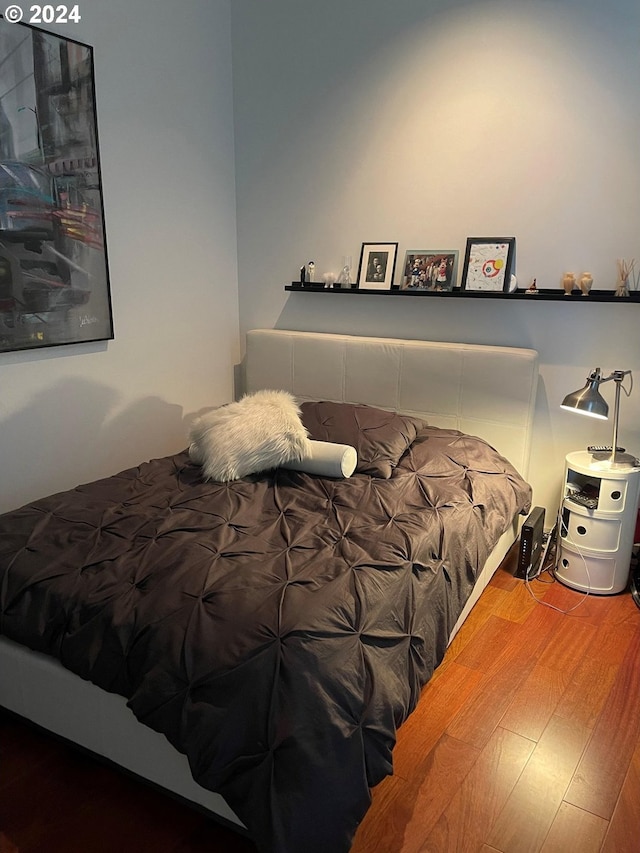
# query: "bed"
[[347, 590]]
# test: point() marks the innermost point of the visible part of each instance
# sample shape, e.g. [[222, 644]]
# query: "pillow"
[[260, 431], [379, 437], [326, 460]]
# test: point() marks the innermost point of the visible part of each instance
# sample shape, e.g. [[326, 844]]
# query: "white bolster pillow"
[[327, 460]]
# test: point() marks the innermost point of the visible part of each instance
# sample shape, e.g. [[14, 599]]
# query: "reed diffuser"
[[625, 269]]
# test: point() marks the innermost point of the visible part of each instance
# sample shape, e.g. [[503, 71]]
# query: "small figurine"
[[311, 272], [586, 283], [329, 279], [303, 274], [532, 290], [569, 283]]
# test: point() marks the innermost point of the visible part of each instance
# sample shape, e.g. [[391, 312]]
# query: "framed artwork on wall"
[[377, 266], [429, 269], [487, 263], [54, 278]]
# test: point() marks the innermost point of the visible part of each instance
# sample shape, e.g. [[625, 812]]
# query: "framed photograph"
[[54, 280], [430, 269], [487, 263], [377, 266]]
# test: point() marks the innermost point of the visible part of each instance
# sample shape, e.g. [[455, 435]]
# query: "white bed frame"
[[482, 390]]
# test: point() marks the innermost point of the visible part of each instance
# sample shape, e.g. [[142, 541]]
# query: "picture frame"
[[377, 266], [488, 263], [54, 273], [430, 270]]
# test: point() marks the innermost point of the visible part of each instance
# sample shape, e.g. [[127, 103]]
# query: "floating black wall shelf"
[[541, 295]]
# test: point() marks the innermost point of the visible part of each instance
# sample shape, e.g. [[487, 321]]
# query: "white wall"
[[427, 122], [421, 122], [164, 105]]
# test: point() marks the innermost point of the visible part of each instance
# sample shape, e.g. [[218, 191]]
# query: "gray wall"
[[164, 105], [427, 122]]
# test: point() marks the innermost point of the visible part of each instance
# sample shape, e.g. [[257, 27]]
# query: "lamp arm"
[[616, 412], [618, 375]]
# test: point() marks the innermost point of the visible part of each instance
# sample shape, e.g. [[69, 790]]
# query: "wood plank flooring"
[[526, 740]]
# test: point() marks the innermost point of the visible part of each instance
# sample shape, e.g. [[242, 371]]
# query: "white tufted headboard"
[[482, 390]]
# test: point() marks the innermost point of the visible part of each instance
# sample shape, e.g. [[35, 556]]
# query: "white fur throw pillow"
[[260, 431]]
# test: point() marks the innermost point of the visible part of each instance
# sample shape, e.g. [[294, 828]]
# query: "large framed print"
[[487, 263], [54, 278], [377, 266]]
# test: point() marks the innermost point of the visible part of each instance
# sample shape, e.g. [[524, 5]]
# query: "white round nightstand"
[[597, 523]]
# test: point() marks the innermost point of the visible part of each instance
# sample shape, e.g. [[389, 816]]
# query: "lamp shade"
[[588, 400]]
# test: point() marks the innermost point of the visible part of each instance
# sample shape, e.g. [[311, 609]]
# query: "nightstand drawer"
[[584, 531], [587, 572]]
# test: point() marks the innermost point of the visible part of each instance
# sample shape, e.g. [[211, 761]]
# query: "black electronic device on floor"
[[531, 544]]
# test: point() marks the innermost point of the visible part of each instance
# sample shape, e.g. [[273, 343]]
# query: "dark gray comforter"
[[277, 629]]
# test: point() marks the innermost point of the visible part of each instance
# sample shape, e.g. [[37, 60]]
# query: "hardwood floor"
[[526, 739]]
